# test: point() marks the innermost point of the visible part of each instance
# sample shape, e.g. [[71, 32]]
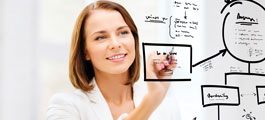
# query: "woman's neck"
[[113, 87]]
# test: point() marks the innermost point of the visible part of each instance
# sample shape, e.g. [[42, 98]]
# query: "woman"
[[104, 65]]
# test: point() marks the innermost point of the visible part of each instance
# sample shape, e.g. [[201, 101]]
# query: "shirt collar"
[[100, 105]]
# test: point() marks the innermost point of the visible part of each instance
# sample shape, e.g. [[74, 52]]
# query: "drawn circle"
[[243, 31]]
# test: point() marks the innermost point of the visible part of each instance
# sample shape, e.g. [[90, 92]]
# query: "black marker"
[[169, 57], [165, 71]]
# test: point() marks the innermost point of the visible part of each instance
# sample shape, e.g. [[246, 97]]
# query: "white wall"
[[34, 50], [1, 37], [19, 82]]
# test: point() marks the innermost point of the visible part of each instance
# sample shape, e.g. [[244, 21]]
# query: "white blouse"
[[92, 106]]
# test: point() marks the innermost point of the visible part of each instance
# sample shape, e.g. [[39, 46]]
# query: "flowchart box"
[[182, 54], [260, 94], [251, 84], [220, 95]]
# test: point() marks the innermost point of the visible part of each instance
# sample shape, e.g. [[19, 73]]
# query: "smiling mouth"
[[117, 57]]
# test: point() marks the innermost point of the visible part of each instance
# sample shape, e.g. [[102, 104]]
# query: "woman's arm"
[[156, 90]]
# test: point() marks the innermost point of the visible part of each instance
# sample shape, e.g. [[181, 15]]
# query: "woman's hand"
[[158, 67]]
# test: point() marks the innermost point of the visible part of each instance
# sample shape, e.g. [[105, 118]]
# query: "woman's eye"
[[124, 32], [100, 38]]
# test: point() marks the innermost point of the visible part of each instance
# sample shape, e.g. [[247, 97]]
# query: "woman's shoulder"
[[67, 105], [67, 97]]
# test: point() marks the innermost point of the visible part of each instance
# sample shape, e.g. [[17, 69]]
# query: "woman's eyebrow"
[[101, 31], [121, 27]]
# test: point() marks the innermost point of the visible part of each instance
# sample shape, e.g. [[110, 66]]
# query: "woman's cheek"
[[97, 53]]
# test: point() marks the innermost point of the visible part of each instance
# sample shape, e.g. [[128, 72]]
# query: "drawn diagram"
[[243, 36], [248, 115], [178, 27]]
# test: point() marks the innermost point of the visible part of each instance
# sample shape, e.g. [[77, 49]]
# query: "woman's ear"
[[87, 57]]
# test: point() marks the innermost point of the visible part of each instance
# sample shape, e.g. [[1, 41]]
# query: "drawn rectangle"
[[260, 94], [183, 54], [220, 95]]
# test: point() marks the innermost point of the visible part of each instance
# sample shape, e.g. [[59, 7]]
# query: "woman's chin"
[[118, 71]]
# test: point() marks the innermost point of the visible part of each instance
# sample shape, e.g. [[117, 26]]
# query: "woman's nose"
[[114, 43]]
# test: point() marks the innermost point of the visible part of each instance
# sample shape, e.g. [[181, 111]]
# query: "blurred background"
[[35, 38]]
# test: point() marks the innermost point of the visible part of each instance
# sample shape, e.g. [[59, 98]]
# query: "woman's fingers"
[[159, 62], [172, 64], [160, 66]]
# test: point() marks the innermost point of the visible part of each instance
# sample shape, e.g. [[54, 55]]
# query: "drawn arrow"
[[220, 52], [242, 95]]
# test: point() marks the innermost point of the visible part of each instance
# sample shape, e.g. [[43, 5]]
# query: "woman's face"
[[109, 42]]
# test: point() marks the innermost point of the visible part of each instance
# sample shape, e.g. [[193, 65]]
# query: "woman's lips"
[[117, 57]]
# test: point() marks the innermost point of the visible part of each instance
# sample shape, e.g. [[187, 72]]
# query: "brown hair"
[[81, 71]]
